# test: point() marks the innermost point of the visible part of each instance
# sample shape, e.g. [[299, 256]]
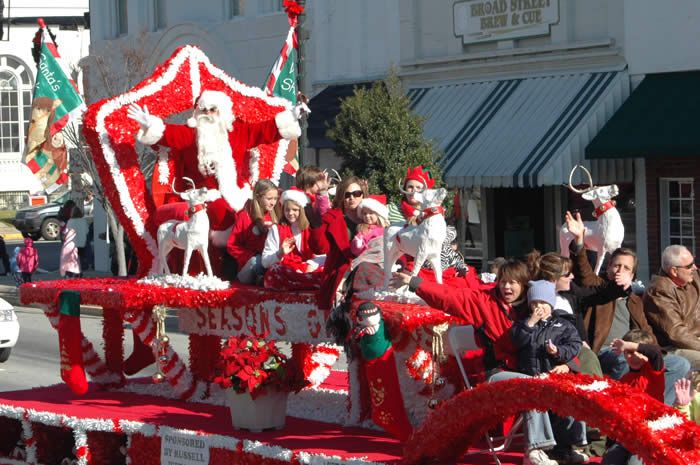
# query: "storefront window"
[[677, 218]]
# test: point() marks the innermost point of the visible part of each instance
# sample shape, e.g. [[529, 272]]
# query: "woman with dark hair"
[[333, 236], [492, 313]]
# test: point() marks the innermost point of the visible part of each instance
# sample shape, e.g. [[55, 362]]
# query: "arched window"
[[15, 104]]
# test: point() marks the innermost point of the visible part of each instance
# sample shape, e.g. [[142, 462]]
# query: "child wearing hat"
[[287, 254], [374, 217], [545, 339]]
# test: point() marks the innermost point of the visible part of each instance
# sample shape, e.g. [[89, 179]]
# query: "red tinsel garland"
[[619, 411], [113, 339], [144, 450], [218, 456], [11, 434], [104, 447], [53, 443], [204, 356], [129, 295]]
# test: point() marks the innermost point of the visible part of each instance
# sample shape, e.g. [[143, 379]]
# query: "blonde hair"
[[257, 211], [383, 222], [302, 221]]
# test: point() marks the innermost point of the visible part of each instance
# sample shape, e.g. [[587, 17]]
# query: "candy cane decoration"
[[94, 365], [169, 363]]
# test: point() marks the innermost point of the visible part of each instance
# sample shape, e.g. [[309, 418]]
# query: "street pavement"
[[34, 361]]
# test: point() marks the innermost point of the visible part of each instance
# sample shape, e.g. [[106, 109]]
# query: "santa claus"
[[212, 149]]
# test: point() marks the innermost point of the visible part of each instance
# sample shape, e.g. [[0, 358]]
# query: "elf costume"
[[387, 407], [69, 341]]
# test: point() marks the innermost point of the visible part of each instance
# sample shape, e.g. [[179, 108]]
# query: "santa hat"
[[417, 173], [213, 99], [295, 195], [376, 206]]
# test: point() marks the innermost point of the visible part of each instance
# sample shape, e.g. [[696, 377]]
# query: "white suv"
[[9, 329]]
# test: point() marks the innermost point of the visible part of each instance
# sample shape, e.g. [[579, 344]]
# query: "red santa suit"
[[230, 178], [292, 271], [246, 240]]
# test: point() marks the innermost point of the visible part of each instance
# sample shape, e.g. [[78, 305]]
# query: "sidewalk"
[[8, 232], [9, 291]]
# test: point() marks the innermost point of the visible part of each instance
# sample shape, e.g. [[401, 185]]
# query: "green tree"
[[378, 137]]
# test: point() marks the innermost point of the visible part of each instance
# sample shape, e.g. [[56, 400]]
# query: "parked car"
[[42, 220], [9, 329]]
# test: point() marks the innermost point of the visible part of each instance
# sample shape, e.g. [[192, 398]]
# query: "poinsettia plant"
[[253, 364]]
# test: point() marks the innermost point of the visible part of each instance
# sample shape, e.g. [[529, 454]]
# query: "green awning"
[[659, 119]]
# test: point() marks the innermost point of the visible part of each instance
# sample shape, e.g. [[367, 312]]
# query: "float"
[[180, 416]]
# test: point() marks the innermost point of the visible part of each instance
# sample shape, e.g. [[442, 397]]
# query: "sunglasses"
[[356, 194], [689, 266]]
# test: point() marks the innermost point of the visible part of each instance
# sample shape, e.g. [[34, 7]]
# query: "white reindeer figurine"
[[189, 235], [422, 241], [606, 233]]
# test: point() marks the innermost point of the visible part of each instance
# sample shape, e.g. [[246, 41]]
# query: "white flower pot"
[[266, 411]]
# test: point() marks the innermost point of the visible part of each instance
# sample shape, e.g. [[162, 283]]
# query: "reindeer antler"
[[190, 181], [336, 176], [185, 179], [571, 184]]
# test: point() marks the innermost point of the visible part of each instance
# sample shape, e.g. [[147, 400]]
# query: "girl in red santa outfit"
[[374, 216], [247, 240], [287, 255], [408, 210], [455, 271]]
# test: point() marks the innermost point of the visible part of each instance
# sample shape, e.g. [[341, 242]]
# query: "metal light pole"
[[302, 36]]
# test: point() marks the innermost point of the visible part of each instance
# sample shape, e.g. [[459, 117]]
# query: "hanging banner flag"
[[56, 101], [282, 81]]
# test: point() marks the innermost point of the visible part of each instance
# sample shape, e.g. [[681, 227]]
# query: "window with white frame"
[[234, 9], [270, 6], [122, 18], [15, 103], [676, 201]]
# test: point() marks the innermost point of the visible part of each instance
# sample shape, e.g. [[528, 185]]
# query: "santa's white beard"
[[213, 148], [215, 158]]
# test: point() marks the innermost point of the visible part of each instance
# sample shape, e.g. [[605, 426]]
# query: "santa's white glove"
[[141, 115], [301, 110]]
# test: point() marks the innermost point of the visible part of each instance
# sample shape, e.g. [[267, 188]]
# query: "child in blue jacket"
[[545, 339]]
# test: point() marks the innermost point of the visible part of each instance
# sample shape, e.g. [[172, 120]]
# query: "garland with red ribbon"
[[656, 433]]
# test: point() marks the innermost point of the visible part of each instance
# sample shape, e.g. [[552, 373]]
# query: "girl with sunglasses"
[[333, 237]]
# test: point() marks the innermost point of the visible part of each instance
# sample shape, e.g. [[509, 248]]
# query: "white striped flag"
[[56, 101]]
